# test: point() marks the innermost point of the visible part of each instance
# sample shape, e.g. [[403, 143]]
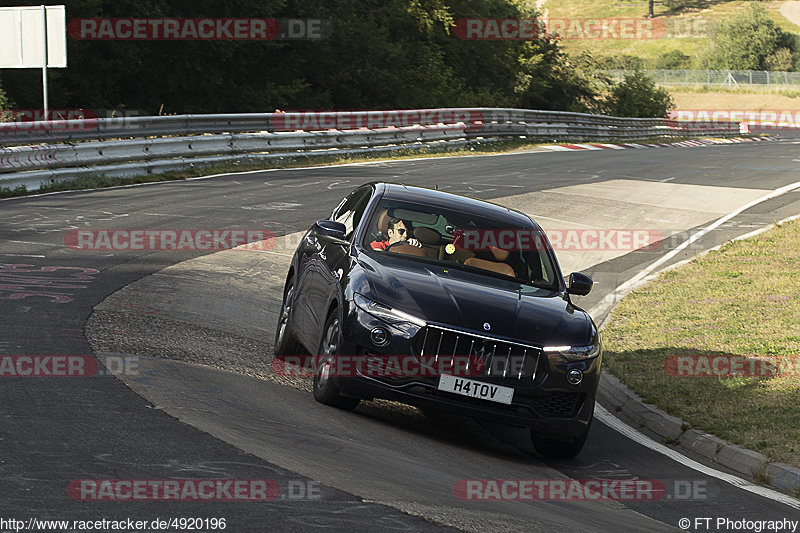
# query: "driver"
[[399, 231]]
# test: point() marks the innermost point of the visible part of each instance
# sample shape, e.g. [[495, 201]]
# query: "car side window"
[[546, 268], [351, 210]]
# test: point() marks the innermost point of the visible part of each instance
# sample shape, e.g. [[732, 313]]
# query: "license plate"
[[476, 389]]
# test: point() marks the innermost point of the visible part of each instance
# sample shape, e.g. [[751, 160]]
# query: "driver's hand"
[[414, 242]]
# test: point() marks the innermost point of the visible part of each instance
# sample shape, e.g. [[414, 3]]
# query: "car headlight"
[[384, 312], [573, 353]]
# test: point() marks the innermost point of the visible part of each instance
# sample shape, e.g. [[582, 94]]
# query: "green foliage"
[[8, 192], [748, 40], [638, 96], [5, 104], [576, 86], [621, 62], [674, 59], [382, 54], [781, 60], [184, 76]]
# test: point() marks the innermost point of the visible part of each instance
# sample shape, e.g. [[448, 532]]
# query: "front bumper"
[[522, 411], [543, 399]]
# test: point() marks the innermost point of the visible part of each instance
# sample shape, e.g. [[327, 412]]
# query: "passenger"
[[399, 231]]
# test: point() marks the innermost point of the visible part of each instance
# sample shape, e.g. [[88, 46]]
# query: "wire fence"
[[729, 79]]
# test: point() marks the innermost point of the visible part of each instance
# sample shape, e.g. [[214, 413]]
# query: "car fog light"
[[574, 376], [379, 337]]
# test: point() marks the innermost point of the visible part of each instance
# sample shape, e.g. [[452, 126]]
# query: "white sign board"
[[22, 37]]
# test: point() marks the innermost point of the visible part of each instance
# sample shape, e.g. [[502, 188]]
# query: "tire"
[[285, 343], [560, 449], [325, 390]]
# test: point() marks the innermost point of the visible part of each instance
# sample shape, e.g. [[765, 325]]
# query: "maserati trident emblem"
[[487, 326], [481, 352]]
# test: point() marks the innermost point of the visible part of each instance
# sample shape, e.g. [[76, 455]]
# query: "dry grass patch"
[[734, 100]]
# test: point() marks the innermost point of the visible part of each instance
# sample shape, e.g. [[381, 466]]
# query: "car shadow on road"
[[486, 438]]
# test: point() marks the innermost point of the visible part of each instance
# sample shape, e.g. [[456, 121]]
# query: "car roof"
[[433, 197]]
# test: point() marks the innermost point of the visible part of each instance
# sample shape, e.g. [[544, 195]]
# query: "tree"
[[745, 41], [382, 54], [183, 76], [781, 60], [638, 96], [621, 62], [5, 104], [6, 113], [674, 59]]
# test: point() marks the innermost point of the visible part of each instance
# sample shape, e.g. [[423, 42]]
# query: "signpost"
[[33, 37]]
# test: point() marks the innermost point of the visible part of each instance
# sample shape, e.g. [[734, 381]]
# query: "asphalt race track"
[[201, 402]]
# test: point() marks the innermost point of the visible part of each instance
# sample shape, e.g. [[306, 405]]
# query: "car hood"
[[467, 300]]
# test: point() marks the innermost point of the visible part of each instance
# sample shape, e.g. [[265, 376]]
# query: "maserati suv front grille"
[[500, 358]]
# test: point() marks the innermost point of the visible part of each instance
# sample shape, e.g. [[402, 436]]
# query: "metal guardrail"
[[144, 145]]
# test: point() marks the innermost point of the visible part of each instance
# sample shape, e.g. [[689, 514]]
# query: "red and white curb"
[[681, 144]]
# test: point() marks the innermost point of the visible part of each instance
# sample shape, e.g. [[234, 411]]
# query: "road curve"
[[219, 311]]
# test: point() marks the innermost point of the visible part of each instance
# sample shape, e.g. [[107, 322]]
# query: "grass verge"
[[741, 301]]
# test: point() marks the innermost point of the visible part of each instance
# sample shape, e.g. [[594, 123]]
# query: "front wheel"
[[325, 390], [285, 343]]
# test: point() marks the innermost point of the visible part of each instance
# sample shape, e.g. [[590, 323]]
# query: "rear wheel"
[[325, 390], [285, 343], [560, 449]]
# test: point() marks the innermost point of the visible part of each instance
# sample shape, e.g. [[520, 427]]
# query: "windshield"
[[461, 239]]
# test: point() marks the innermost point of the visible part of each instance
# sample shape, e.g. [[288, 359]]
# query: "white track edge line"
[[626, 287], [604, 416], [642, 277]]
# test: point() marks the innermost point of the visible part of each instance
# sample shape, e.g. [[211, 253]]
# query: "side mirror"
[[579, 284], [331, 228]]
